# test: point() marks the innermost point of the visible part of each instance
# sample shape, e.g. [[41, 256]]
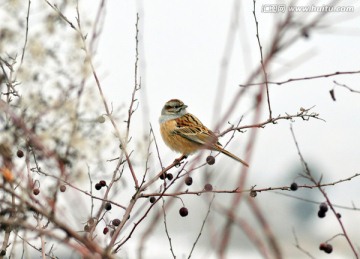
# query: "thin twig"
[[156, 145], [304, 78], [262, 60], [303, 114], [202, 226], [345, 86], [297, 245], [132, 202], [166, 229], [26, 32], [137, 85]]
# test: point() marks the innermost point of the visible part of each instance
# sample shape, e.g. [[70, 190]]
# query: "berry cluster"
[[100, 184], [114, 223], [90, 224], [323, 208], [168, 176]]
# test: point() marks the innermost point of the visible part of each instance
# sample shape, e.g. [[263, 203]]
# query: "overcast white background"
[[191, 49]]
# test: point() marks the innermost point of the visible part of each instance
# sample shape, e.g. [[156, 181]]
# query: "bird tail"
[[232, 156]]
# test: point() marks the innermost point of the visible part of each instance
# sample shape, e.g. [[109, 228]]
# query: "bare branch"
[[304, 78]]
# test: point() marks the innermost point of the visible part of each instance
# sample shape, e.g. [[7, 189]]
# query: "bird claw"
[[178, 162]]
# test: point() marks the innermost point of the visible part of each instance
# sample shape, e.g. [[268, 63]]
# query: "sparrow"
[[184, 133]]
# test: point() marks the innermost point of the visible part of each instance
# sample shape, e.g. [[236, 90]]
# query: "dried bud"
[[253, 193], [208, 187], [100, 119], [332, 94]]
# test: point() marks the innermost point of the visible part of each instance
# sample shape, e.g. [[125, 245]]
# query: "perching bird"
[[184, 133]]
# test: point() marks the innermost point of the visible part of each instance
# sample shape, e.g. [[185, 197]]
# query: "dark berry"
[[36, 191], [208, 187], [152, 199], [102, 183], [323, 207], [183, 212], [322, 246], [210, 160], [328, 249], [20, 153], [98, 186], [321, 214], [338, 215], [162, 176], [116, 222], [253, 193], [188, 180], [293, 186], [62, 188], [169, 177], [108, 206], [105, 230], [86, 228], [2, 252]]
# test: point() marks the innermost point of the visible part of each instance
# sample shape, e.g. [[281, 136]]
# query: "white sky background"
[[182, 46]]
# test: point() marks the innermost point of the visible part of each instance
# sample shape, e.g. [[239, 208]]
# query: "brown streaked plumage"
[[185, 133]]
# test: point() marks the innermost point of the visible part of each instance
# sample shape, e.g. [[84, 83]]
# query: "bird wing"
[[191, 128]]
